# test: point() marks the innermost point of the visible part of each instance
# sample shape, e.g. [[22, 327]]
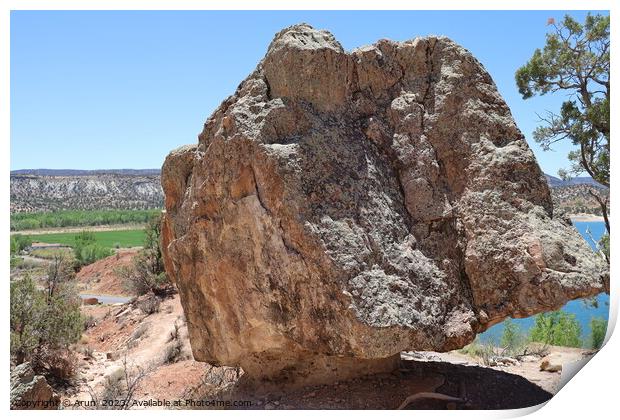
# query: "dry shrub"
[[89, 322], [140, 331], [173, 351], [131, 344], [175, 334], [120, 387], [147, 275], [149, 305], [57, 365], [88, 351]]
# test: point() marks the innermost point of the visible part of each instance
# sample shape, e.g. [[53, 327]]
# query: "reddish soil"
[[124, 332], [173, 380], [101, 277], [108, 334]]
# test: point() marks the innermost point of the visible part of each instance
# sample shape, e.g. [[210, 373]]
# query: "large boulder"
[[341, 207]]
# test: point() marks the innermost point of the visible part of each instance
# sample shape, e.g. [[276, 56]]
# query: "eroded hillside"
[[31, 193], [48, 190]]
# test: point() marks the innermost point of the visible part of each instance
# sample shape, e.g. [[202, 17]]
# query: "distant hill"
[[52, 189], [580, 180], [76, 189], [573, 196], [576, 199], [83, 172]]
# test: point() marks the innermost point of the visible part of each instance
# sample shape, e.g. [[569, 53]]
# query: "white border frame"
[[591, 394]]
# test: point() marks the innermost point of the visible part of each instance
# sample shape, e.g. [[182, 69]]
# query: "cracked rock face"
[[30, 391], [347, 206]]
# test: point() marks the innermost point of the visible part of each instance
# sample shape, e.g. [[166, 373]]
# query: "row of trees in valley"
[[65, 218]]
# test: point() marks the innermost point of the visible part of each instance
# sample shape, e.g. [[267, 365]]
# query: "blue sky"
[[118, 89]]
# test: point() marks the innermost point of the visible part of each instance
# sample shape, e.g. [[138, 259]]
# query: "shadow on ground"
[[416, 385]]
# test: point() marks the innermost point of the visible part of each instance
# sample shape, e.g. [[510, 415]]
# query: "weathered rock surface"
[[30, 391], [347, 206]]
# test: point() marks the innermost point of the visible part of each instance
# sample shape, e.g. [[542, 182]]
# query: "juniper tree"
[[575, 61]]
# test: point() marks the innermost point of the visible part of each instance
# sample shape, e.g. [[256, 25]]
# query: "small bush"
[[88, 254], [19, 243], [172, 352], [120, 387], [488, 352], [89, 322], [536, 349], [59, 364], [15, 261], [60, 276], [484, 351], [557, 328], [87, 250], [599, 329], [149, 305], [114, 391], [51, 253], [471, 349], [130, 344], [140, 331], [88, 351], [43, 322], [147, 272], [116, 376], [24, 264], [27, 311], [513, 341], [175, 334]]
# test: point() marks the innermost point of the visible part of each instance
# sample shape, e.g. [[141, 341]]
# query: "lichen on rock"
[[30, 391], [350, 205]]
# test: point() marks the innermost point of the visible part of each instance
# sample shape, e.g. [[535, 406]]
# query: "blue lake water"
[[582, 312]]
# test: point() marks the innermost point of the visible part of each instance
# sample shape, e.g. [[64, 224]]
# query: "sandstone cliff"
[[343, 206]]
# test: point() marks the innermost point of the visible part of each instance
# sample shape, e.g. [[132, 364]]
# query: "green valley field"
[[107, 239]]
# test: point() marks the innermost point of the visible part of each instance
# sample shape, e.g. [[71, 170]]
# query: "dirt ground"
[[128, 336], [450, 380], [102, 277], [125, 334]]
